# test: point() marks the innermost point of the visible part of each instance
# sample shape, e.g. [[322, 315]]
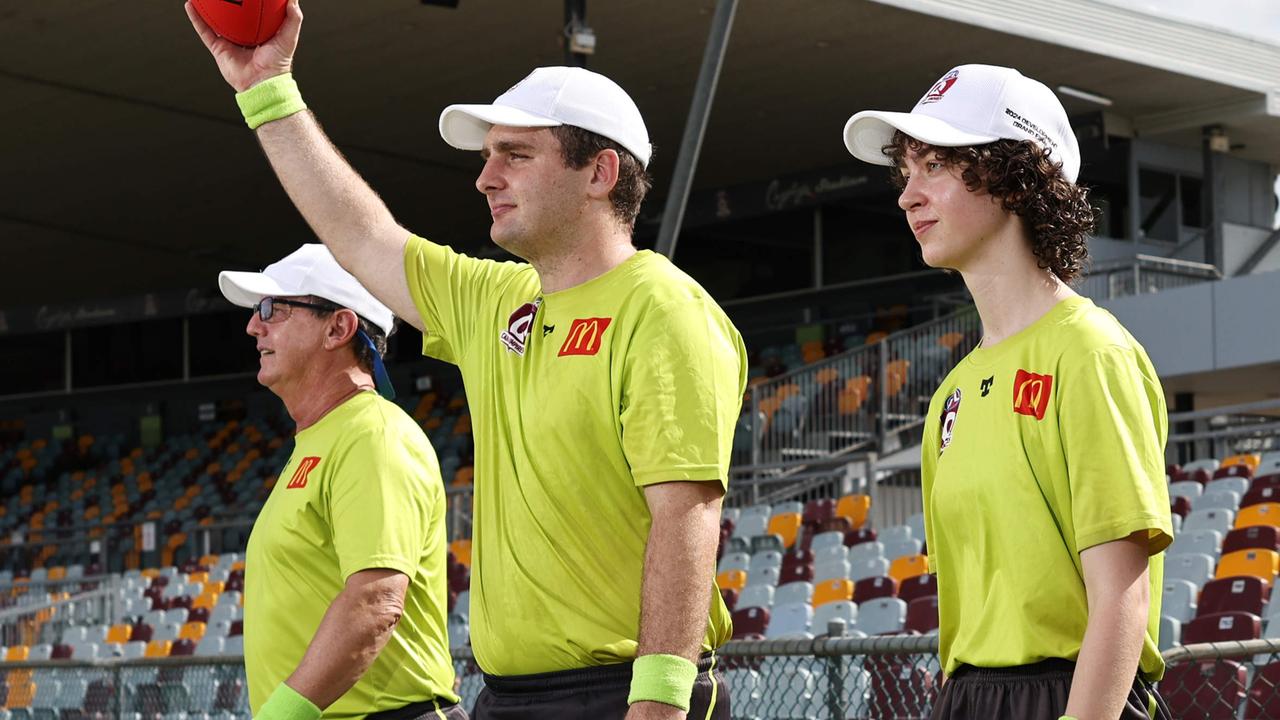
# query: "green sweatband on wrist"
[[667, 679], [1066, 717], [271, 99], [286, 704]]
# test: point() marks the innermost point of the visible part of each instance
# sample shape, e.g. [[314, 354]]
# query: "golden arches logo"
[[585, 336]]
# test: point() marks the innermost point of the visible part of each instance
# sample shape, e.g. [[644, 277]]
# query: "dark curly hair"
[[579, 147], [1028, 184]]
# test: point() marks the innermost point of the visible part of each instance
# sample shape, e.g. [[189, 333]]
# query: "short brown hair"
[[579, 147], [1029, 184], [363, 353]]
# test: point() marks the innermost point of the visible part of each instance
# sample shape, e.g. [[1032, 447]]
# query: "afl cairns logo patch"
[[949, 412], [940, 88], [516, 336]]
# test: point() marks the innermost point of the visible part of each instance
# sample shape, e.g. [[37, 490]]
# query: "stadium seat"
[[461, 549], [755, 596], [1217, 499], [835, 590], [785, 526], [1214, 519], [1211, 689], [922, 615], [1263, 564], [119, 633], [766, 559], [825, 540], [183, 647], [732, 580], [874, 587], [1236, 484], [1187, 488], [795, 573], [882, 616], [839, 610], [832, 570], [1178, 599], [1180, 506], [1196, 568], [916, 587], [750, 621], [830, 553], [868, 568], [763, 543], [135, 649], [902, 548], [192, 631], [857, 537], [816, 512], [233, 645], [1232, 594], [209, 645], [1206, 464], [1263, 514], [1170, 632], [865, 551], [916, 523], [1263, 701], [750, 525], [909, 566], [767, 575], [1198, 542], [1249, 460], [1230, 471], [899, 689], [734, 561], [1222, 627], [789, 621], [791, 593], [897, 533], [854, 508], [1261, 494], [1264, 537]]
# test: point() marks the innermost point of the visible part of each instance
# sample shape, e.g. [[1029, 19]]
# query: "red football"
[[243, 22]]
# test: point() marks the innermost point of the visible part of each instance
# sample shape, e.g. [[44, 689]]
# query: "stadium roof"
[[127, 168]]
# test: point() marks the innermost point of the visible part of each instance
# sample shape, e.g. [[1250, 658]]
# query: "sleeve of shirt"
[[378, 515], [452, 292], [683, 382], [1113, 425]]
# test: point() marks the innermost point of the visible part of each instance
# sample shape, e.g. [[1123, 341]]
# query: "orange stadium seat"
[[896, 376], [205, 600], [192, 631], [854, 508], [835, 590], [1255, 562], [158, 648], [21, 695], [461, 550], [1253, 460], [786, 526], [732, 580], [854, 394], [119, 633], [1263, 514], [908, 566], [17, 653]]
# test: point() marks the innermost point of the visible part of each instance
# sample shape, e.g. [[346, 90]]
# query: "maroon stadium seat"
[[917, 587], [1269, 480], [234, 582], [198, 615], [141, 632], [61, 652], [229, 692], [796, 573], [1180, 505], [874, 587], [796, 557], [899, 689], [1221, 627], [1243, 471], [1173, 469], [922, 614], [730, 597], [237, 628], [1264, 693], [180, 601], [1258, 495], [159, 581], [1212, 689], [817, 512], [727, 524], [1201, 476], [857, 537], [182, 648], [750, 621], [836, 524], [1232, 594], [1264, 537]]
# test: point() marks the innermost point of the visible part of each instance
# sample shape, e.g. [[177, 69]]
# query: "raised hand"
[[244, 67]]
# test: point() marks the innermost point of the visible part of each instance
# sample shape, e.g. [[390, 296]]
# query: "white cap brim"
[[247, 289], [866, 133], [464, 126]]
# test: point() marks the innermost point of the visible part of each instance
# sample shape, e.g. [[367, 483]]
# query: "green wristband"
[[1066, 717], [667, 679], [269, 100], [286, 704]]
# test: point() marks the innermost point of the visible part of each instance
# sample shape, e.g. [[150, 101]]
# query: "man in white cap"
[[603, 384], [345, 587], [1046, 508]]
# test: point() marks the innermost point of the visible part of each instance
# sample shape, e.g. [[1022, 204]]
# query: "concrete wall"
[[1211, 326]]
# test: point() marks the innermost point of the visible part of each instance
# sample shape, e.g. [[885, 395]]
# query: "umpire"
[[345, 595]]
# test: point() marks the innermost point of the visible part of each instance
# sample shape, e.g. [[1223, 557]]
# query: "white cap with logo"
[[973, 105], [309, 270], [552, 96]]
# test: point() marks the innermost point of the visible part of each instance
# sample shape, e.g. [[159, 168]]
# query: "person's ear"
[[342, 327], [604, 173]]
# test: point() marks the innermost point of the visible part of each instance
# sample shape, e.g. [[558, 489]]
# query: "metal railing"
[[1218, 432], [1143, 274]]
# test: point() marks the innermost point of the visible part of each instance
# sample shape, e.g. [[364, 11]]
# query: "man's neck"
[[590, 255], [1011, 292], [311, 401]]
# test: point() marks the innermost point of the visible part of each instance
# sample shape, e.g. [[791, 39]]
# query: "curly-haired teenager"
[[1046, 511]]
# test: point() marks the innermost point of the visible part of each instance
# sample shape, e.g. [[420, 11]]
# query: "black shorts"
[[429, 710], [597, 693], [1029, 692]]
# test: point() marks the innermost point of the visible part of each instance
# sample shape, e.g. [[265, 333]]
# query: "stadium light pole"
[[695, 127], [575, 15]]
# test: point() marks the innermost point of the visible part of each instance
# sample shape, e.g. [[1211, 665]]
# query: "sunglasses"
[[272, 309]]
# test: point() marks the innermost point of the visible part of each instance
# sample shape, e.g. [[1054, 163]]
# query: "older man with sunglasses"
[[345, 588]]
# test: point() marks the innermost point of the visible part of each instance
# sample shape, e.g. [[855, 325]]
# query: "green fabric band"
[[269, 100], [286, 704], [1066, 717], [667, 679]]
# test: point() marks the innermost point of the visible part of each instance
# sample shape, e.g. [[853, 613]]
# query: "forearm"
[[353, 632], [679, 566], [341, 208]]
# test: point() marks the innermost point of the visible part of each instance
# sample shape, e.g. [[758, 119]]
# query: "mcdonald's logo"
[[585, 336], [1031, 394], [299, 479]]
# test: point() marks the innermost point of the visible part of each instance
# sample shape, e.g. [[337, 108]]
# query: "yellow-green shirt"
[[361, 490], [578, 399], [1042, 446]]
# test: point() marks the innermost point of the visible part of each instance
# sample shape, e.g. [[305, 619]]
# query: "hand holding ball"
[[244, 22]]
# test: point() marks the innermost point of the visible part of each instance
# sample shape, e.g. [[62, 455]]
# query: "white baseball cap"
[[309, 270], [552, 96], [973, 105]]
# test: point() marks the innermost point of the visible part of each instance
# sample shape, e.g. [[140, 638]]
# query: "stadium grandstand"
[[136, 446]]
